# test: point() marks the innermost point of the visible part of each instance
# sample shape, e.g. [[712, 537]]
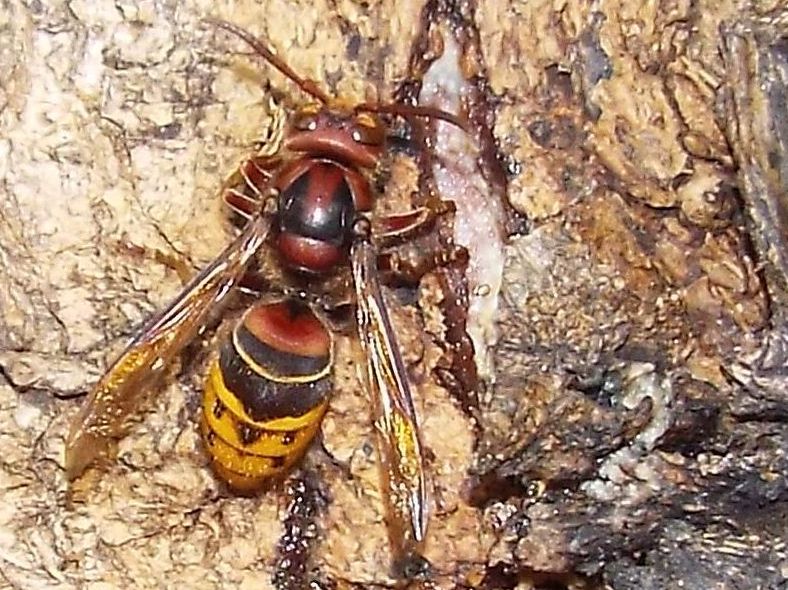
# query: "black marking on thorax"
[[318, 205]]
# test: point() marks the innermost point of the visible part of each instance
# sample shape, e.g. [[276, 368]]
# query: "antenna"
[[305, 84], [311, 88], [414, 111]]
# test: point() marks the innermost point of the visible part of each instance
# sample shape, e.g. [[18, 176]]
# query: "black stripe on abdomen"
[[265, 398]]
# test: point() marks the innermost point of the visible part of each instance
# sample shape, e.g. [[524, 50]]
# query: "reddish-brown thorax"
[[321, 191]]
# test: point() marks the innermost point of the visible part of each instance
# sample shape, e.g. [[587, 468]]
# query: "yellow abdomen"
[[266, 394]]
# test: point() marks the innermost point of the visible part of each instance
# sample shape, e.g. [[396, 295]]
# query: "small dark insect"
[[267, 391]]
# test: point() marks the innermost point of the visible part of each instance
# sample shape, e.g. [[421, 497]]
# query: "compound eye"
[[305, 121], [368, 130]]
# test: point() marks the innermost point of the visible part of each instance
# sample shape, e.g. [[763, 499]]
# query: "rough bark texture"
[[629, 428]]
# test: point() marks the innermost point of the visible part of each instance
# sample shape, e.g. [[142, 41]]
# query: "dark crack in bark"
[[301, 532]]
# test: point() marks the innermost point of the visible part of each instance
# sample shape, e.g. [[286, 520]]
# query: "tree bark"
[[601, 388]]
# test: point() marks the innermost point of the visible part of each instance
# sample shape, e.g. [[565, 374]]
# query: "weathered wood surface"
[[634, 433]]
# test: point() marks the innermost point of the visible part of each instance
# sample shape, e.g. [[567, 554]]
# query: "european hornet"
[[267, 391]]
